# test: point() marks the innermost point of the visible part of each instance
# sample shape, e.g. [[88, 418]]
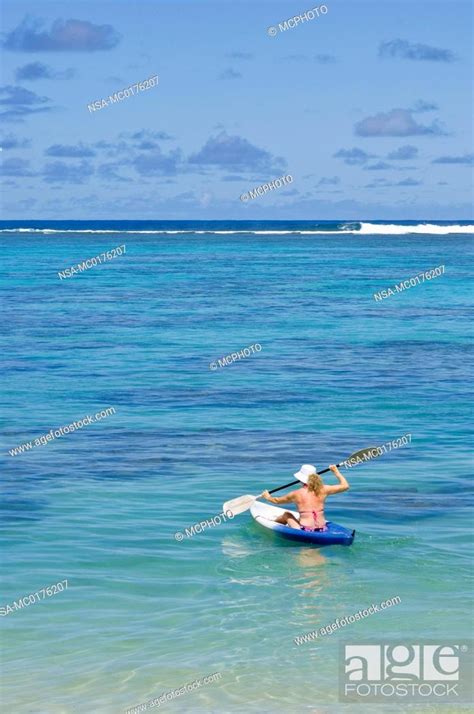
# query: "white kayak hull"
[[265, 514]]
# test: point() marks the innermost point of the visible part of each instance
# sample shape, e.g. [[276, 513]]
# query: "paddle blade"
[[367, 454], [239, 505]]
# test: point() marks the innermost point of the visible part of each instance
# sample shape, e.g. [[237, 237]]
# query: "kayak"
[[265, 515]]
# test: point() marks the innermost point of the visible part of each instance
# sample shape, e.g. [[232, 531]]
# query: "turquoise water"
[[338, 371]]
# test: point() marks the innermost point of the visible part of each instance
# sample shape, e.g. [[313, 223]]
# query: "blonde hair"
[[315, 484]]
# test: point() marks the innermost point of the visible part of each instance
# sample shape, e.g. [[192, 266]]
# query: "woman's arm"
[[289, 498], [343, 484]]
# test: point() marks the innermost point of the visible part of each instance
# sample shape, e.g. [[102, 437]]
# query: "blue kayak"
[[265, 515]]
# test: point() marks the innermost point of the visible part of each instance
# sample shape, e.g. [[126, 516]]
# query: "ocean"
[[137, 341]]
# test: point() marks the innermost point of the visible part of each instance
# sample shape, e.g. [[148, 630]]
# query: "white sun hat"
[[305, 472]]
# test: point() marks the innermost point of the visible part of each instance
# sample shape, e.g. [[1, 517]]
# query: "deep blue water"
[[338, 371], [261, 227]]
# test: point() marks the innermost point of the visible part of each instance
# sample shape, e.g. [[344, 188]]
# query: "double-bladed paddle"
[[243, 503]]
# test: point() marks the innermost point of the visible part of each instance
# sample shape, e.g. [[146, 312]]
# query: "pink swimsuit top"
[[315, 518]]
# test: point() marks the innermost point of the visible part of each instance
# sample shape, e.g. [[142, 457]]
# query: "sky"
[[367, 107]]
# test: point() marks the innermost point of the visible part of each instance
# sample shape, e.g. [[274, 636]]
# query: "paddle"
[[243, 503]]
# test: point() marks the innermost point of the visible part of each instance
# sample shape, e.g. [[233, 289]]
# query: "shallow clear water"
[[338, 371]]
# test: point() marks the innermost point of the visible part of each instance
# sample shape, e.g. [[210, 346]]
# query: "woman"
[[309, 499]]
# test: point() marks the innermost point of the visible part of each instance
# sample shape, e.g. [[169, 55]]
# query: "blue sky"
[[368, 107]]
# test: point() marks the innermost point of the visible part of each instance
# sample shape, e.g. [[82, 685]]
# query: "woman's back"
[[309, 499], [311, 507]]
